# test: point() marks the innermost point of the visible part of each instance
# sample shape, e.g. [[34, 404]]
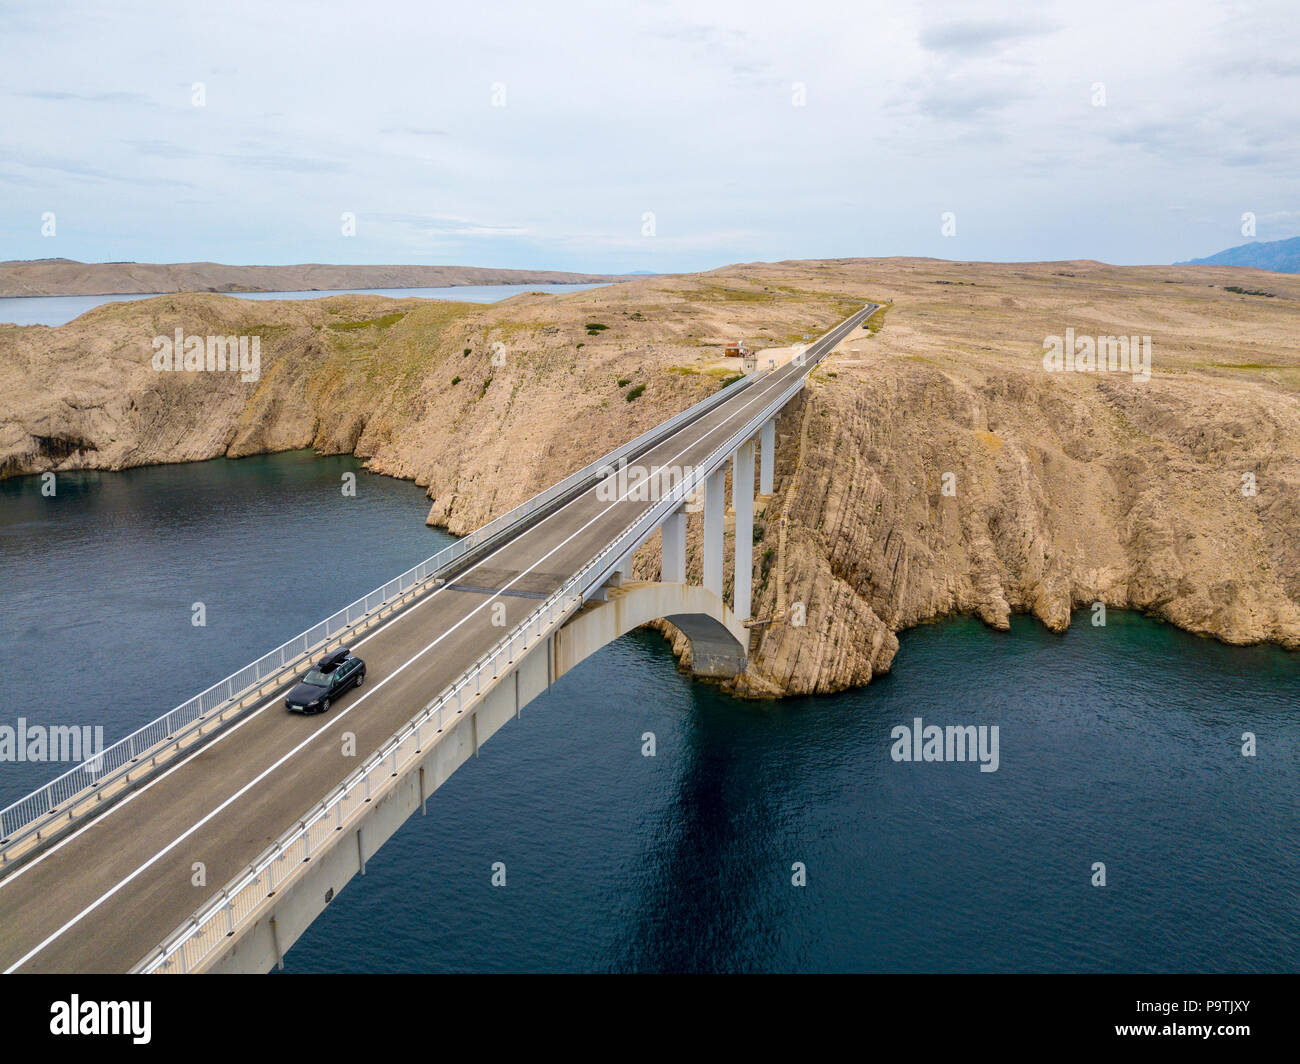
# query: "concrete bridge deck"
[[102, 897]]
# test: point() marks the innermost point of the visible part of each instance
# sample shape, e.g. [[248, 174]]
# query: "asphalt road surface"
[[103, 897]]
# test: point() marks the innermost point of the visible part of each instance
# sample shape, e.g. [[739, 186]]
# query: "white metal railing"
[[213, 924], [48, 804]]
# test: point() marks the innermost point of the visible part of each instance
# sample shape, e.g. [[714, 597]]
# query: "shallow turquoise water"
[[1119, 744]]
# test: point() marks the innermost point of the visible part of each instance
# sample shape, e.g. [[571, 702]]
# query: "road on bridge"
[[104, 896]]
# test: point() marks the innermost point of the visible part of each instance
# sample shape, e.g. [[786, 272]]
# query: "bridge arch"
[[719, 640]]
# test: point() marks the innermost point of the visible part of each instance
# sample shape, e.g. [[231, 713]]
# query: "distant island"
[[1279, 256], [67, 277]]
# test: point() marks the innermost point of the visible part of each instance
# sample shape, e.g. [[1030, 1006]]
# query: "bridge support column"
[[767, 459], [714, 508], [619, 576], [672, 567], [742, 501]]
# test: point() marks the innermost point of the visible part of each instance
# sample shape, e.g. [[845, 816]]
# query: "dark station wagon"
[[325, 681]]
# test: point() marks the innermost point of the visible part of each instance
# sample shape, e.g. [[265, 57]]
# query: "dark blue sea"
[[1119, 745]]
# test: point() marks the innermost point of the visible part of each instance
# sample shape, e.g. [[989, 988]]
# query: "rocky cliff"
[[932, 466]]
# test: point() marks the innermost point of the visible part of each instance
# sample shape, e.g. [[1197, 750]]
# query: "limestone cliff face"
[[1048, 514], [1178, 496], [931, 467]]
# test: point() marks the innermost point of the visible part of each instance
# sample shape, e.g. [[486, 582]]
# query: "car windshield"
[[316, 678]]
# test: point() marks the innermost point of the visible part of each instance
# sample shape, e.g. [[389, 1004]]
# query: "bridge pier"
[[742, 501], [714, 508], [767, 459], [672, 566]]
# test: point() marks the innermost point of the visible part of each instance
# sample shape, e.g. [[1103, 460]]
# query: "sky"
[[657, 136]]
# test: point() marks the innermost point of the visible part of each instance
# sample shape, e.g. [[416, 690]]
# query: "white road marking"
[[225, 732], [339, 717]]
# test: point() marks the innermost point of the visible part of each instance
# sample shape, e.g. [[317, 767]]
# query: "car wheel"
[[360, 676], [325, 706]]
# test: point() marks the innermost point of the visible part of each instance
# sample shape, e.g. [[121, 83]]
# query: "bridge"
[[100, 869]]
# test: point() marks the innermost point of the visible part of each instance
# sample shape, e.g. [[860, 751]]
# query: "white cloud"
[[686, 110]]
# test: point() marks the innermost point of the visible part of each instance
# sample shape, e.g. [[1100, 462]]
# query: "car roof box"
[[333, 661]]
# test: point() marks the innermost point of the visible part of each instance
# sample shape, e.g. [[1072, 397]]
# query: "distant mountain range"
[[1280, 256]]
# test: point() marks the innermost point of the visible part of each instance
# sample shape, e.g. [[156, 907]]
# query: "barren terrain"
[[932, 466], [66, 277]]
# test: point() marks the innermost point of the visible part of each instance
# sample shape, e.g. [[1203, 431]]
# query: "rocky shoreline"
[[931, 467]]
